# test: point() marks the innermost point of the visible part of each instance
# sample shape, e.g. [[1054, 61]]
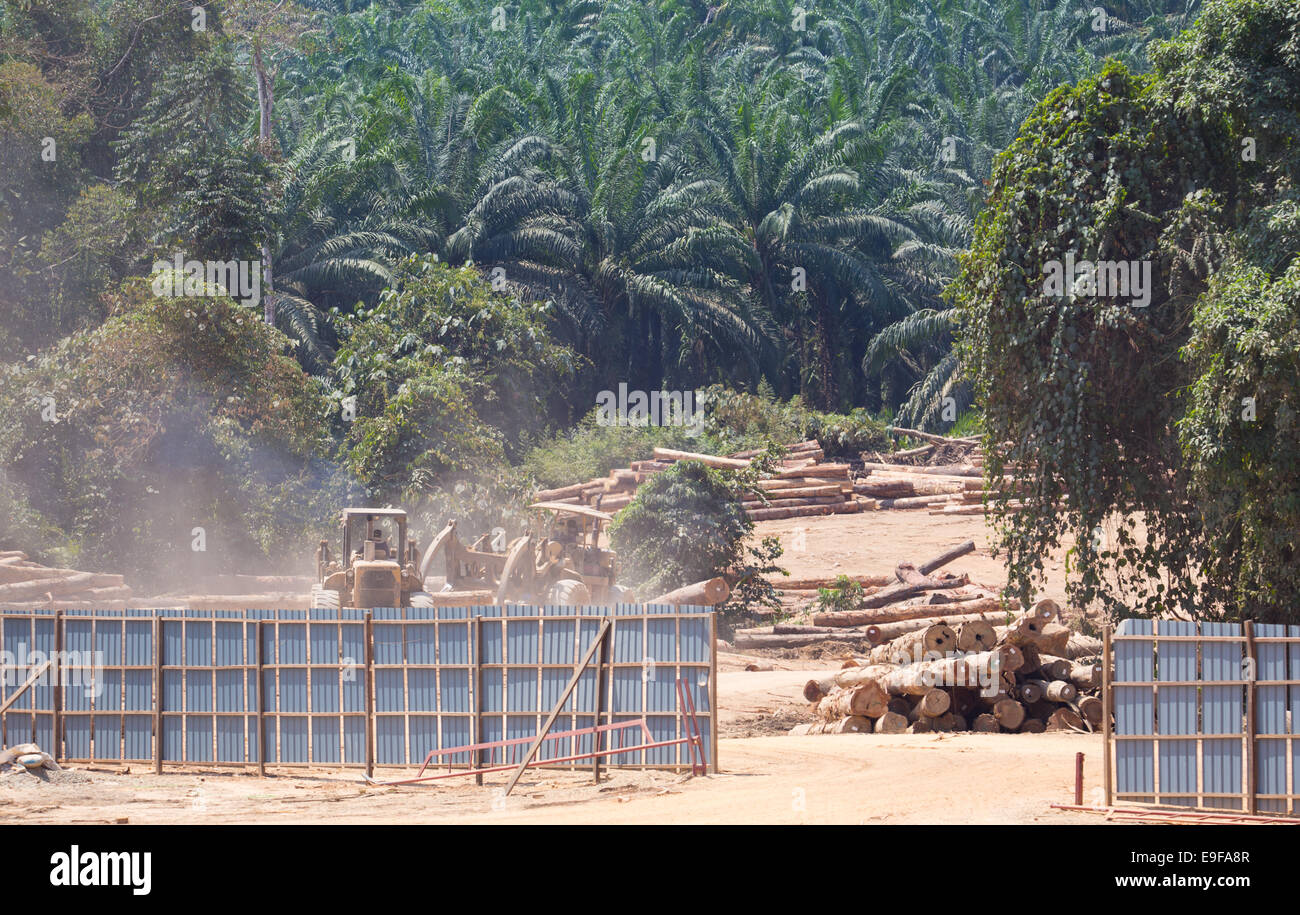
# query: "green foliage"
[[737, 421], [438, 368], [591, 449], [1241, 437], [844, 594], [1087, 390], [175, 414], [753, 594], [686, 524]]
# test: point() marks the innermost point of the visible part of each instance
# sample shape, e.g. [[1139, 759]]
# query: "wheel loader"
[[377, 565], [566, 565]]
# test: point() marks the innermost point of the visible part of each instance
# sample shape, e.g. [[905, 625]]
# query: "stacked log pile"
[[806, 485], [974, 676], [27, 585], [803, 485]]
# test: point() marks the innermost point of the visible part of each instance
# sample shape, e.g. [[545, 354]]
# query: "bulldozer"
[[376, 568], [565, 565]]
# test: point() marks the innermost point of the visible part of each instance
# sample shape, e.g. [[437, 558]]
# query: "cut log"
[[1064, 719], [1054, 639], [826, 471], [812, 584], [799, 641], [946, 557], [900, 613], [976, 635], [1009, 713], [1083, 676], [885, 632], [869, 700], [711, 460], [1059, 691], [707, 593], [1032, 726], [932, 703], [949, 470], [891, 723], [1079, 645], [986, 724], [1053, 668], [1029, 692], [1090, 707], [850, 725], [564, 492], [926, 644], [931, 437], [970, 670], [807, 511], [39, 587]]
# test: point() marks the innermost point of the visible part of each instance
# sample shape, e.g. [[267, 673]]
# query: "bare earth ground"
[[766, 777]]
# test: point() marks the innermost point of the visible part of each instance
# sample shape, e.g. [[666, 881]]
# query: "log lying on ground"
[[946, 557], [806, 511], [879, 633], [891, 723], [932, 703], [1009, 713], [849, 725], [895, 614], [812, 584], [868, 699], [931, 437], [763, 640], [707, 593]]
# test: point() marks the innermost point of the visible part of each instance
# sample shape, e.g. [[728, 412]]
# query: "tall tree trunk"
[[266, 139]]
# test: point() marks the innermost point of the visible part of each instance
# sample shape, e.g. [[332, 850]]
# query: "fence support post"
[[477, 723], [1107, 709], [600, 705], [369, 698], [261, 698], [56, 679], [157, 695], [1252, 803]]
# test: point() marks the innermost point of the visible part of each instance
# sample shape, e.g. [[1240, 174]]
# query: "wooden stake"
[[369, 637], [1108, 707], [56, 702], [1252, 803], [157, 695], [555, 712], [261, 697]]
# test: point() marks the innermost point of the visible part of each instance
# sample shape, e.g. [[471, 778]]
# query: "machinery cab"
[[572, 541], [376, 567]]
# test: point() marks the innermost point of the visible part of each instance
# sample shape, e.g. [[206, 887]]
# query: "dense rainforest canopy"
[[471, 219]]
